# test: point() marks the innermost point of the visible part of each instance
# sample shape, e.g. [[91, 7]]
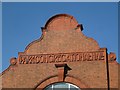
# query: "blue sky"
[[22, 22]]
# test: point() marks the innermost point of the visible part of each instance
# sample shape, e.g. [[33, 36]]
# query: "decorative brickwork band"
[[62, 57]]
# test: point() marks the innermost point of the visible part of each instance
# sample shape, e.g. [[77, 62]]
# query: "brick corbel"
[[62, 71]]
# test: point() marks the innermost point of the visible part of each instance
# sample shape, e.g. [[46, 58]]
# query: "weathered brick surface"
[[91, 73], [113, 70], [59, 39], [60, 36]]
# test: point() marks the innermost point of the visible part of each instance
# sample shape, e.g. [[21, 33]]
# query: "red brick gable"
[[62, 34]]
